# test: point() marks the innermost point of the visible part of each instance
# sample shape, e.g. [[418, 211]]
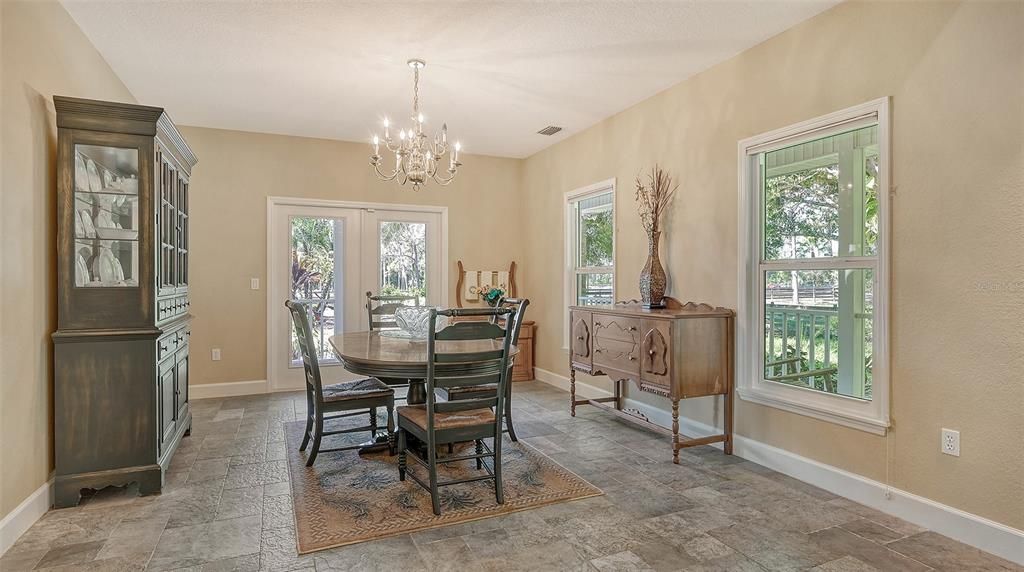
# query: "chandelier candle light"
[[416, 157]]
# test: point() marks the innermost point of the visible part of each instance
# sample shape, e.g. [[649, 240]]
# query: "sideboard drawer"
[[616, 328], [617, 354]]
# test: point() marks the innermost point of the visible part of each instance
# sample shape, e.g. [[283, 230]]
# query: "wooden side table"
[[523, 368]]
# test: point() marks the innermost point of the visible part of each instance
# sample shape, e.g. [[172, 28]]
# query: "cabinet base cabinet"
[[679, 352], [112, 423]]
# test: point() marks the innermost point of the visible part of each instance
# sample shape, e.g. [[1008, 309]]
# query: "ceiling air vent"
[[550, 130]]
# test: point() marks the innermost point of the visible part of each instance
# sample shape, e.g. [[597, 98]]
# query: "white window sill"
[[792, 402]]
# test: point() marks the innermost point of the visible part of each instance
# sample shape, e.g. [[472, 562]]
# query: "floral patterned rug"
[[345, 497]]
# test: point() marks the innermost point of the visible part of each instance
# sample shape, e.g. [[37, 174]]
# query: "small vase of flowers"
[[491, 294]]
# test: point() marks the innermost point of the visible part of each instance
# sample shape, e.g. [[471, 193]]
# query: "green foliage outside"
[[801, 211]]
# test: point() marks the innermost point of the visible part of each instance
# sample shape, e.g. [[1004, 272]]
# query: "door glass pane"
[[819, 198], [403, 260], [106, 216], [315, 272], [818, 329], [593, 289]]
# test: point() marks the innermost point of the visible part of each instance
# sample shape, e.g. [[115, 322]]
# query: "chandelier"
[[416, 157]]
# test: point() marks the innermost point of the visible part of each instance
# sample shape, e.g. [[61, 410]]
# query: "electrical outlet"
[[215, 354], [254, 283], [951, 442]]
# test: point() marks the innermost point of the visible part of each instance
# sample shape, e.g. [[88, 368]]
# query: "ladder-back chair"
[[360, 397], [454, 363]]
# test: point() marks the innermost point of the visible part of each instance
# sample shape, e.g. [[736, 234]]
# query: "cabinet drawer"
[[621, 355], [616, 328], [580, 337], [656, 352]]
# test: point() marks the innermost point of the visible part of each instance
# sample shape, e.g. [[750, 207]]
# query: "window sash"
[[871, 416]]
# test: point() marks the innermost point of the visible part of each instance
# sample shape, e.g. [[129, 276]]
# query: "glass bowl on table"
[[413, 323]]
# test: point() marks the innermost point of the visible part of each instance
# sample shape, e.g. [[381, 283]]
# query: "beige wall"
[[44, 53], [956, 76], [236, 173]]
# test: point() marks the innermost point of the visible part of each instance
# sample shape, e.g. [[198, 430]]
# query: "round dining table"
[[397, 360]]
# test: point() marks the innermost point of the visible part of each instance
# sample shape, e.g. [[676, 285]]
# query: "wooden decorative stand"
[[678, 352]]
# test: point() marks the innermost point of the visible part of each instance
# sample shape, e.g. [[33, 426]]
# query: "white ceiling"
[[496, 71]]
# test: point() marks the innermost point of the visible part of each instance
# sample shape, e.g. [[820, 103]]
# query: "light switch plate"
[[215, 354], [254, 283]]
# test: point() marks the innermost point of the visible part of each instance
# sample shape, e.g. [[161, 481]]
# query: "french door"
[[328, 255]]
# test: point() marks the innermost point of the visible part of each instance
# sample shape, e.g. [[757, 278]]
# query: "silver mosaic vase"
[[652, 277]]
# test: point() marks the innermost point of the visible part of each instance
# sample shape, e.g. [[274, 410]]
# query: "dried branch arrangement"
[[652, 197]]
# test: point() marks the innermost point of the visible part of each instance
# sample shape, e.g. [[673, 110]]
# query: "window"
[[813, 297], [590, 246]]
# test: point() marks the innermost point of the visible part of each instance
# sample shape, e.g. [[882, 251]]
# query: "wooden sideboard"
[[678, 352]]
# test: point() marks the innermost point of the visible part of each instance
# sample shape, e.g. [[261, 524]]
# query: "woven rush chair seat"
[[358, 389], [418, 415]]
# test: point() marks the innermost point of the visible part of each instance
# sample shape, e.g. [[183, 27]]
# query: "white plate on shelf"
[[103, 267], [116, 233], [81, 271], [95, 183], [88, 230], [81, 175]]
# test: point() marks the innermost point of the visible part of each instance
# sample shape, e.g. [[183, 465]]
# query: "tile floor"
[[226, 507]]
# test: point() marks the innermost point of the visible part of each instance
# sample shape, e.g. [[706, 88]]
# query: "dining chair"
[[473, 392], [443, 422], [381, 308], [380, 313], [352, 398]]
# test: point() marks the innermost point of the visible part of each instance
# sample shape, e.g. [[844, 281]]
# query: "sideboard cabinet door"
[[580, 338], [656, 352]]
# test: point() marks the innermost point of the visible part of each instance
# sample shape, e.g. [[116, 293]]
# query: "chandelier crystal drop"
[[417, 157]]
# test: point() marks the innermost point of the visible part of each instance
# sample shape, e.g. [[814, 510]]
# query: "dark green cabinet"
[[121, 346]]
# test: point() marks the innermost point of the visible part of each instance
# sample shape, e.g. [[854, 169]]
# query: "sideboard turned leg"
[[675, 431], [572, 391]]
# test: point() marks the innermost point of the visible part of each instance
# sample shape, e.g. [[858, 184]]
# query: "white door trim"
[[274, 202]]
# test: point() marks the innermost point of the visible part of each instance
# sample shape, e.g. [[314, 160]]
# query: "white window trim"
[[871, 416], [569, 275]]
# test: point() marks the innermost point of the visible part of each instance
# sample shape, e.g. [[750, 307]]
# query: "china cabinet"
[[121, 348]]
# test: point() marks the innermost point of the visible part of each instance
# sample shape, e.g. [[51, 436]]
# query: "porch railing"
[[798, 344]]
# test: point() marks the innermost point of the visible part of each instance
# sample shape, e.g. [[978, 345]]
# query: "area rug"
[[346, 498]]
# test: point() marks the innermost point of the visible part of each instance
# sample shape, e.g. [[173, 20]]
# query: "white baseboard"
[[1003, 541], [229, 389], [25, 515]]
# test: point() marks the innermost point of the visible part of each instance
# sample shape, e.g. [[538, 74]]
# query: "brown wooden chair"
[[360, 397], [380, 309], [444, 422], [473, 392]]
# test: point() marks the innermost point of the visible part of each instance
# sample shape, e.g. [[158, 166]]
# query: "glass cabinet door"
[[168, 223], [106, 183]]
